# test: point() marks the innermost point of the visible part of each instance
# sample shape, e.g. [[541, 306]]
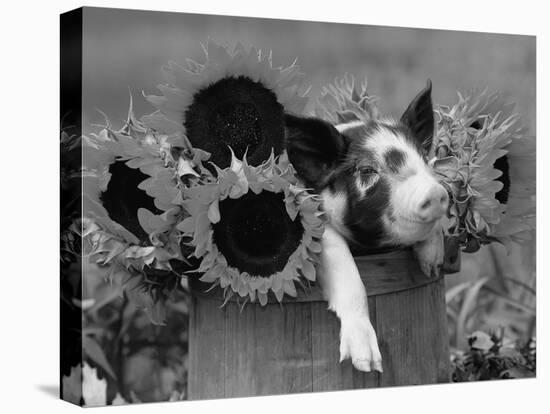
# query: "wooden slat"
[[390, 272], [206, 350], [268, 350], [412, 335]]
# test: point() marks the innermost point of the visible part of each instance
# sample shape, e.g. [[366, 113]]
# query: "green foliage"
[[125, 357], [492, 324], [489, 358], [490, 303]]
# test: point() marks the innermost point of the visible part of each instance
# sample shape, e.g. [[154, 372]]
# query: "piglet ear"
[[314, 148], [419, 117]]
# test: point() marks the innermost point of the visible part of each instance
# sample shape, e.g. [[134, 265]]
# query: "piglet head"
[[374, 176]]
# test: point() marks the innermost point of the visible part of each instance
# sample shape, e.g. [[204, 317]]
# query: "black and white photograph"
[[278, 207]]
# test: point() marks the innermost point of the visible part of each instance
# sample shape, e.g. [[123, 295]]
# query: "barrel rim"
[[404, 274]]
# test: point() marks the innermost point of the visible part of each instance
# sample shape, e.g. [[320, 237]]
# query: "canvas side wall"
[[70, 202]]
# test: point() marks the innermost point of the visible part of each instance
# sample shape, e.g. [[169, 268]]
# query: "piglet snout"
[[434, 204]]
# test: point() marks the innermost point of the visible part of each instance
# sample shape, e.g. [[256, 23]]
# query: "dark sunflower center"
[[123, 198], [237, 113], [255, 233], [237, 126], [502, 165]]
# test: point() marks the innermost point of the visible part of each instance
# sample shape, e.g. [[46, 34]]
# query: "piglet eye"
[[366, 179], [368, 171]]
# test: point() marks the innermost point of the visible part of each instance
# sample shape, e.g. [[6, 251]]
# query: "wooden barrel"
[[294, 347]]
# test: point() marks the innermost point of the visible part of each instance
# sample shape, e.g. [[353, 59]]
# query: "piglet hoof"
[[430, 269], [430, 254], [358, 342]]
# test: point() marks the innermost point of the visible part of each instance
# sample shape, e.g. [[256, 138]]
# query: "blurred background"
[[124, 50]]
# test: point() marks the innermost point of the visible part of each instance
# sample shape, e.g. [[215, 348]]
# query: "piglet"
[[378, 190]]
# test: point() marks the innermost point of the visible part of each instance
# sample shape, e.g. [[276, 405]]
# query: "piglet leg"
[[347, 297]]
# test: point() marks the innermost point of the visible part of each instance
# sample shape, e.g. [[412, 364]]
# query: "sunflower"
[[345, 101], [131, 182], [478, 143], [518, 223], [236, 98], [254, 229]]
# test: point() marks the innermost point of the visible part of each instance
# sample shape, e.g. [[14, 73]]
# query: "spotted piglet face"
[[374, 176]]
